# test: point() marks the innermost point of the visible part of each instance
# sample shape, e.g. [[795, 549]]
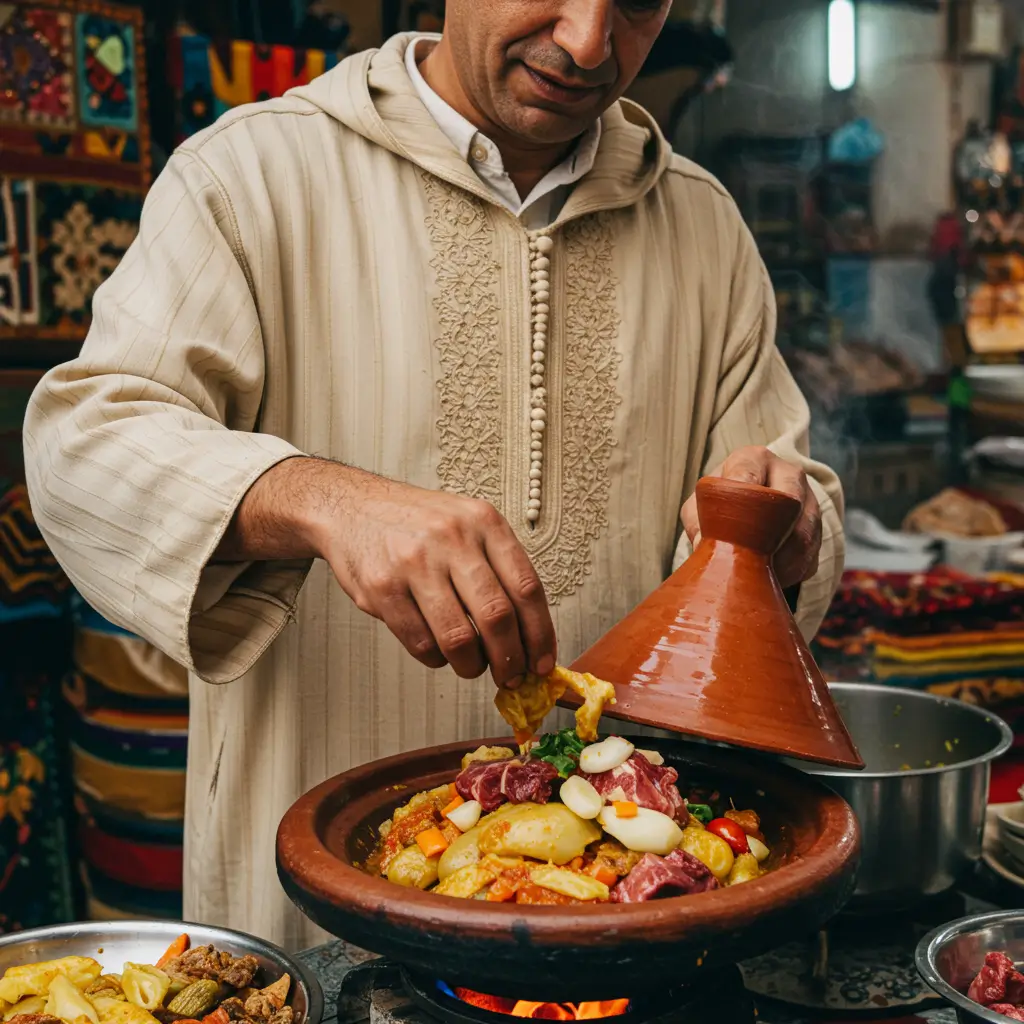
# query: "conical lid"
[[714, 652]]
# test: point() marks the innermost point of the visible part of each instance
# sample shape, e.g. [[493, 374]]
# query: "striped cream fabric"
[[323, 274]]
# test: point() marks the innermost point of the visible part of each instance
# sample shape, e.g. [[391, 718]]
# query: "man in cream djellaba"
[[409, 378]]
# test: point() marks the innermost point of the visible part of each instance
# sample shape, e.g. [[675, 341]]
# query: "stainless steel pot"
[[921, 798], [113, 943], [949, 958]]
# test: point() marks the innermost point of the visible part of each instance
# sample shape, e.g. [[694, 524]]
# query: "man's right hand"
[[430, 565]]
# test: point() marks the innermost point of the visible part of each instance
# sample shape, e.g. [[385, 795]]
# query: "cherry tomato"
[[731, 832]]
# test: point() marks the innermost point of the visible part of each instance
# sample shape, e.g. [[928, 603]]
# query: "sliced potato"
[[278, 992], [413, 869], [144, 985], [466, 882], [121, 1012], [28, 1005], [569, 883], [465, 850], [745, 869], [34, 979], [68, 1003], [713, 852], [646, 832], [548, 832], [440, 793]]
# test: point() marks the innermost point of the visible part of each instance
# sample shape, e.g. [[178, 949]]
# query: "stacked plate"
[[1004, 841]]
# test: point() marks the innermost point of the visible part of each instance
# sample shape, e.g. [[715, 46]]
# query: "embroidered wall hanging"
[[210, 78], [75, 159]]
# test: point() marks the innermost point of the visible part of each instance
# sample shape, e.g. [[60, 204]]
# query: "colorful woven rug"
[[211, 78], [75, 159]]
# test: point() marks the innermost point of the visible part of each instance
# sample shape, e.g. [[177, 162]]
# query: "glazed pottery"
[[606, 951], [715, 652]]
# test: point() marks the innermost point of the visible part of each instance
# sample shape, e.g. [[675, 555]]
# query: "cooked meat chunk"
[[614, 855], [35, 1018], [747, 820], [234, 1008], [167, 1016], [283, 1016], [239, 972], [206, 962], [199, 962], [259, 1006]]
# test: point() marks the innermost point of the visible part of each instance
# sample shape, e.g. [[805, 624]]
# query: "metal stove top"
[[860, 969], [379, 992]]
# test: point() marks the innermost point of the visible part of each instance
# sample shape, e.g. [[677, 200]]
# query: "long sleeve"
[[139, 451], [759, 403]]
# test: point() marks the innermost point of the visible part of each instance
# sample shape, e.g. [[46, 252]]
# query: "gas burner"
[[380, 992]]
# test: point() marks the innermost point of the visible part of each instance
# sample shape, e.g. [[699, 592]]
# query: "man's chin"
[[549, 127]]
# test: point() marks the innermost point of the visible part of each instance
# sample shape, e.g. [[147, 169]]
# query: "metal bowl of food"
[[921, 798], [112, 944], [950, 958]]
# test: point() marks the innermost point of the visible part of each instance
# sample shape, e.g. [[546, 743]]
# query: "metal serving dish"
[[949, 958], [113, 943], [921, 829]]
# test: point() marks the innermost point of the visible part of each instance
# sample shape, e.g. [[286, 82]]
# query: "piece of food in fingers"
[[526, 707]]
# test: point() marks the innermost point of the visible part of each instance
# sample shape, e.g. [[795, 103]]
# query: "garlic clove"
[[758, 849], [606, 755], [466, 815], [581, 798], [653, 756]]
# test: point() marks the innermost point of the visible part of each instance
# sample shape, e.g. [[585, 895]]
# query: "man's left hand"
[[797, 559]]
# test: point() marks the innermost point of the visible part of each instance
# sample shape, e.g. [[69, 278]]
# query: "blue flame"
[[443, 987]]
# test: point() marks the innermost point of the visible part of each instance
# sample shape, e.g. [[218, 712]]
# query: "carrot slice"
[[219, 1016], [432, 842], [602, 873], [501, 892], [625, 809], [457, 802], [175, 949]]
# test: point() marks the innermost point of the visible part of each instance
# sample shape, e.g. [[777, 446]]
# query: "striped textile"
[[957, 636], [128, 743]]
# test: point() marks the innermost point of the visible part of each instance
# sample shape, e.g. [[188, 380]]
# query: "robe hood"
[[371, 93]]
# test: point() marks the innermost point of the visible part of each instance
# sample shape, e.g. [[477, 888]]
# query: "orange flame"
[[544, 1011]]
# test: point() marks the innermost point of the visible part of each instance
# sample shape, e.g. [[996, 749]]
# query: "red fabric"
[[143, 865], [1007, 778]]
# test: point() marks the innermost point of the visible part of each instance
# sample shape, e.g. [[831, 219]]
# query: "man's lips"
[[559, 91]]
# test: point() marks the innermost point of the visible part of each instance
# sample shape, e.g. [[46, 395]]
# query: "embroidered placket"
[[541, 248]]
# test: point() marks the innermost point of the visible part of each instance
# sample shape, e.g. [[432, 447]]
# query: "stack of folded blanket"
[[942, 631]]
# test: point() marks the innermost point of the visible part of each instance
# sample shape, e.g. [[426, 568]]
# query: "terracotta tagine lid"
[[715, 652]]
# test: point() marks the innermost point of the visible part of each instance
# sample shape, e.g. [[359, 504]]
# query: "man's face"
[[544, 70]]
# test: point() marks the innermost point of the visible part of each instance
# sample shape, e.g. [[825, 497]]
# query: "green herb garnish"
[[701, 812], [562, 749]]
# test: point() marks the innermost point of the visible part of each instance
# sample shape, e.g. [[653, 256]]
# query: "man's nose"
[[584, 31]]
